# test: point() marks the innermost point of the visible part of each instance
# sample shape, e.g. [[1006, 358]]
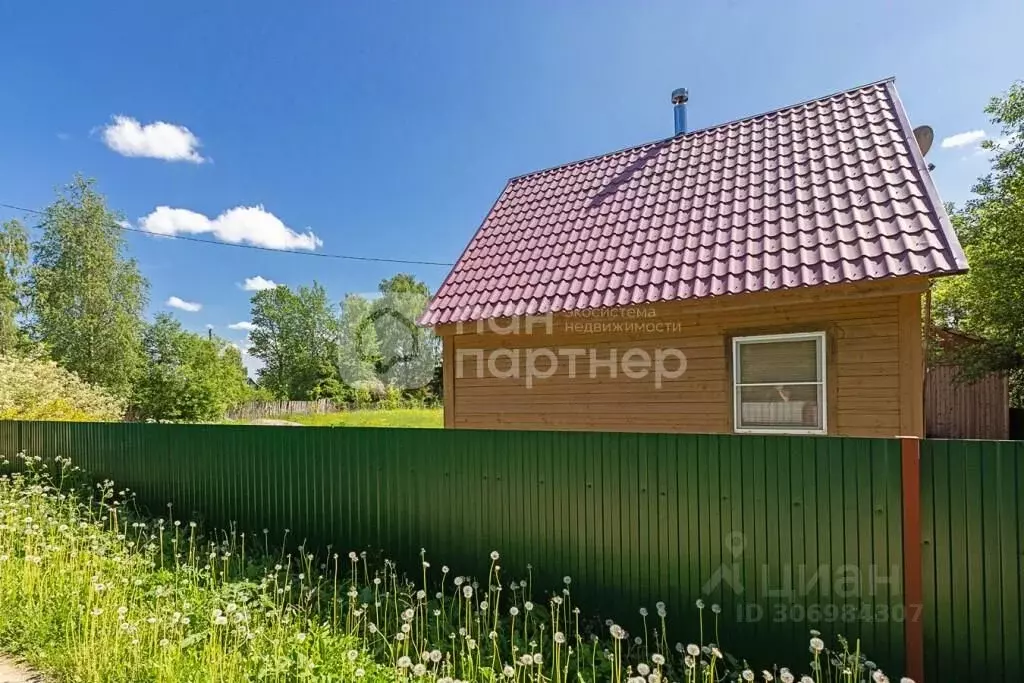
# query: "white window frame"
[[737, 342]]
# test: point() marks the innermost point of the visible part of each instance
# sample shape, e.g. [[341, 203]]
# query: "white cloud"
[[158, 140], [244, 325], [181, 304], [257, 284], [963, 139], [242, 224]]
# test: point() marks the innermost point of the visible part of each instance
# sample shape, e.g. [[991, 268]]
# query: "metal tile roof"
[[829, 191]]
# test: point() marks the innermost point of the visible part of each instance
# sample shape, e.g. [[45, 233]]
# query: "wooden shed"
[[762, 276]]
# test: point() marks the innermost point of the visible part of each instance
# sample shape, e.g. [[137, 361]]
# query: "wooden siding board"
[[911, 366], [448, 380]]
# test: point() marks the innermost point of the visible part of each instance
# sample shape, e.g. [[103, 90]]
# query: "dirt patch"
[[13, 672], [271, 423]]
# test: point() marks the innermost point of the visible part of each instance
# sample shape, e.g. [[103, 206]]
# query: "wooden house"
[[761, 276]]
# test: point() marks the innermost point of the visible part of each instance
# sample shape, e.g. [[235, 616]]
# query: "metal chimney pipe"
[[679, 99]]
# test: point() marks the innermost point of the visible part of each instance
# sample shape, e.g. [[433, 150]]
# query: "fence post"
[[913, 569]]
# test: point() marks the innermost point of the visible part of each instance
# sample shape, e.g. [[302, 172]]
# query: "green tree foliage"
[[358, 347], [404, 283], [381, 348], [186, 376], [33, 388], [86, 295], [410, 353], [14, 255], [989, 300], [296, 336]]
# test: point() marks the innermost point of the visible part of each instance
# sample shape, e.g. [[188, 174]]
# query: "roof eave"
[[921, 166]]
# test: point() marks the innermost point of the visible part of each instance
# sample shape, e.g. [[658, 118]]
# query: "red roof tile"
[[829, 191]]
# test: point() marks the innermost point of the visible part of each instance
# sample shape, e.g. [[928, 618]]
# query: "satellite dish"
[[925, 135]]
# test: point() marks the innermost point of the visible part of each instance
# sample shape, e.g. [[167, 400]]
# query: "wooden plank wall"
[[871, 377], [953, 410]]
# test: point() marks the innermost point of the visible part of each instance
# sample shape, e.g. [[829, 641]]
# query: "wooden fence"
[[959, 410], [255, 410]]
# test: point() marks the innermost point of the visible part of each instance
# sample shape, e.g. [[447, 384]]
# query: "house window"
[[779, 383]]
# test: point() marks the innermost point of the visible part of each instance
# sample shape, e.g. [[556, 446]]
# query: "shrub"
[[38, 389], [392, 398]]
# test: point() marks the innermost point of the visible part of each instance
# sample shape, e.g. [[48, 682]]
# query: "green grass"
[[399, 417]]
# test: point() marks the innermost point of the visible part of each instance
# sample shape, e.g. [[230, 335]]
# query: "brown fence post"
[[913, 576]]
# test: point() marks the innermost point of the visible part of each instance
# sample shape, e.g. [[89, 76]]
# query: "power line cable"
[[198, 240]]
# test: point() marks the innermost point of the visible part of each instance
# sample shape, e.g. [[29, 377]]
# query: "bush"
[[38, 389], [392, 398]]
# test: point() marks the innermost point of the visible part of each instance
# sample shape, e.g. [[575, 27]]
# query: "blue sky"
[[387, 129]]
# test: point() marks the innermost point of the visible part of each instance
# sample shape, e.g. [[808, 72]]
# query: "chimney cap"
[[680, 96]]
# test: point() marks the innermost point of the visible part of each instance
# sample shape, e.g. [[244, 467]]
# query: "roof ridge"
[[705, 129]]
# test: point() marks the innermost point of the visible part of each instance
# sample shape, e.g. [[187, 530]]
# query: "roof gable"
[[829, 191]]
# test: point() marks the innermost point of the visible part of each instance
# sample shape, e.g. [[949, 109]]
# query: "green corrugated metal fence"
[[972, 502], [787, 533]]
